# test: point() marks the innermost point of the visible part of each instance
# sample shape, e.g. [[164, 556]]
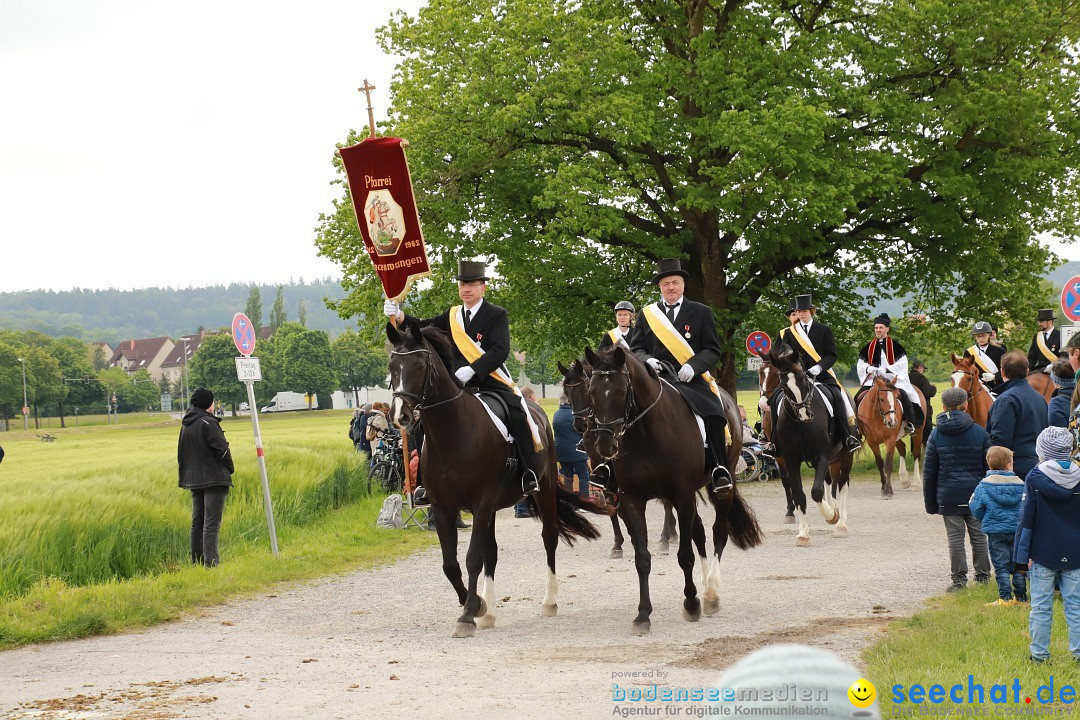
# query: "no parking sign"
[[758, 343], [1070, 298]]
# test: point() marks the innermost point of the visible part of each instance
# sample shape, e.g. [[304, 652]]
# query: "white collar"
[[664, 303], [807, 324], [474, 309]]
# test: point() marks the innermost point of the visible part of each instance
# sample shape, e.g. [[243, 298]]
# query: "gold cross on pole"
[[366, 88]]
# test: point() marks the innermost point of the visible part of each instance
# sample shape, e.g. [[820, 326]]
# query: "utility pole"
[[25, 407]]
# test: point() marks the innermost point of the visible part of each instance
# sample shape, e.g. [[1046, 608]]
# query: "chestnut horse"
[[967, 376], [1043, 384], [646, 431], [881, 417], [576, 389], [463, 462]]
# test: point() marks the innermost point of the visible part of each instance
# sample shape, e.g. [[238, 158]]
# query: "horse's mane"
[[440, 343], [605, 360]]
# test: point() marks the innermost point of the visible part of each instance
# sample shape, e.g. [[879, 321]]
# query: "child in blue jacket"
[[996, 503], [1048, 539]]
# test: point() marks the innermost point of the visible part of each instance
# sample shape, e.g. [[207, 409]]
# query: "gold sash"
[[675, 343], [808, 346], [1040, 341], [613, 333], [973, 351], [473, 352]]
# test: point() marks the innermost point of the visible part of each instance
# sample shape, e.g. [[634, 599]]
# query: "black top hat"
[[790, 308], [804, 302], [469, 270], [884, 319], [1047, 314], [669, 266]]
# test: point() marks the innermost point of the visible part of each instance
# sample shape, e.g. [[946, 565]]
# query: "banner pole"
[[366, 88]]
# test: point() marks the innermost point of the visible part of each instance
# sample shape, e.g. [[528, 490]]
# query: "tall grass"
[[99, 507]]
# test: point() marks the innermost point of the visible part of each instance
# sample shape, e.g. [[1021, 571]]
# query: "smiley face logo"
[[862, 693]]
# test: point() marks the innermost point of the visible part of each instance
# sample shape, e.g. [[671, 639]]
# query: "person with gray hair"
[[955, 463]]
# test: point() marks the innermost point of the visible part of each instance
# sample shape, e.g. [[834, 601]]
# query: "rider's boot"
[[909, 414], [719, 476]]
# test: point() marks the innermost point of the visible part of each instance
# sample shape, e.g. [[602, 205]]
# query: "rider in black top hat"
[[1045, 350], [813, 344], [692, 321], [488, 326]]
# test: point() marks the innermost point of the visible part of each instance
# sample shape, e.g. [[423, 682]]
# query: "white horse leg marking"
[[549, 607], [916, 483], [841, 529], [803, 537], [487, 592], [828, 512]]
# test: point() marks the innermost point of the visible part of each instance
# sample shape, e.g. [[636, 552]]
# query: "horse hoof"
[[905, 483], [549, 610], [691, 611], [802, 542], [835, 518], [886, 495], [712, 603], [789, 519], [616, 553], [486, 622], [641, 627], [663, 546], [840, 531], [482, 610], [464, 630]]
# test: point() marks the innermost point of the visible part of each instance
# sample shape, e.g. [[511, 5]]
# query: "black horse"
[[647, 432], [576, 389], [464, 463], [804, 433]]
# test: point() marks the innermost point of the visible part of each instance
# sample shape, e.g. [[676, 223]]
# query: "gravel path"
[[377, 643]]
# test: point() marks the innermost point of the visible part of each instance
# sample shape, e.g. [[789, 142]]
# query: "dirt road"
[[377, 643]]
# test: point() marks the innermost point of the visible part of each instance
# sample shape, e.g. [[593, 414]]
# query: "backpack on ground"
[[390, 515]]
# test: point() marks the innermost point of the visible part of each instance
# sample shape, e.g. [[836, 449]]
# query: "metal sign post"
[[249, 371]]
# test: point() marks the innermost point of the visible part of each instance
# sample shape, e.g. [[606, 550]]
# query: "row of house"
[[160, 356]]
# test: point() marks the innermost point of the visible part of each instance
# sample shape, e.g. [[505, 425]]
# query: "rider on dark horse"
[[682, 334], [885, 357], [814, 346], [481, 331]]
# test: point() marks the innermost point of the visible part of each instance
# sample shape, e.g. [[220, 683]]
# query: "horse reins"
[[623, 423], [417, 401]]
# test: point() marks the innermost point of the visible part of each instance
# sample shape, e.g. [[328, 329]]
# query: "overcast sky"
[[154, 144], [147, 143]]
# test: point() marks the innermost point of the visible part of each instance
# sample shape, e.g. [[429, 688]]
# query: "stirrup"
[[529, 482], [909, 427], [852, 443], [720, 479], [609, 484]]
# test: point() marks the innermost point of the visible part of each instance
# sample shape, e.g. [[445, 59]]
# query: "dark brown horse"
[[804, 434], [967, 376], [768, 384], [647, 432], [576, 389], [463, 462], [881, 416]]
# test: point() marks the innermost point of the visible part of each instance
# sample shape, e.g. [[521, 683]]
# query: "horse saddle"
[[498, 412]]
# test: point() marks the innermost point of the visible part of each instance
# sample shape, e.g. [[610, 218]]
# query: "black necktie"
[[805, 328], [468, 318], [671, 312]]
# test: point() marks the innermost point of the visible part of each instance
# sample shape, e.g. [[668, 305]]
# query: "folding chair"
[[412, 514]]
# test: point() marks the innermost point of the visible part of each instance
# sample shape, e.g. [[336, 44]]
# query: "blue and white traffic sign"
[[758, 343], [1070, 298], [243, 334]]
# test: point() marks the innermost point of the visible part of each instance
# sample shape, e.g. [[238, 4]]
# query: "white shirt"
[[472, 310], [675, 312]]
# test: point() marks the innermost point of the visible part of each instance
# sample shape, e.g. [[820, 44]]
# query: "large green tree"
[[358, 364], [253, 309], [906, 146], [277, 312], [308, 363]]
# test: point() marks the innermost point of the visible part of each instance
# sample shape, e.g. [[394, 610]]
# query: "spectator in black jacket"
[[206, 469], [955, 464], [918, 379]]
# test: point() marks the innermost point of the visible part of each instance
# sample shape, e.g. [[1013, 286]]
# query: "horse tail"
[[743, 526], [573, 524]]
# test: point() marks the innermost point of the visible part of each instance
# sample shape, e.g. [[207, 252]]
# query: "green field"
[[99, 510]]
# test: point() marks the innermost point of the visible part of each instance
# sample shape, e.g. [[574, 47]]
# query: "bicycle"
[[388, 465]]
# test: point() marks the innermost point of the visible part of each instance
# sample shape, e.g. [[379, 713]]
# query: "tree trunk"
[[60, 409]]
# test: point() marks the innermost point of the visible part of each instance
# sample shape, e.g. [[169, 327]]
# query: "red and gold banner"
[[382, 198]]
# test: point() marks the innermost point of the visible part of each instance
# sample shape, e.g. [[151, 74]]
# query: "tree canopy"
[[778, 147]]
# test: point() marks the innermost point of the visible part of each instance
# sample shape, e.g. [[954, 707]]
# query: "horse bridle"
[[807, 402], [579, 415], [973, 373], [414, 402], [877, 403], [618, 427]]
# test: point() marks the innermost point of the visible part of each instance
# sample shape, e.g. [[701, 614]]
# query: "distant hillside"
[[115, 315]]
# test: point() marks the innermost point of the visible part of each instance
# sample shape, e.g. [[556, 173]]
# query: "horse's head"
[[611, 397], [797, 387], [966, 375], [417, 363], [768, 381], [886, 401], [576, 388]]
